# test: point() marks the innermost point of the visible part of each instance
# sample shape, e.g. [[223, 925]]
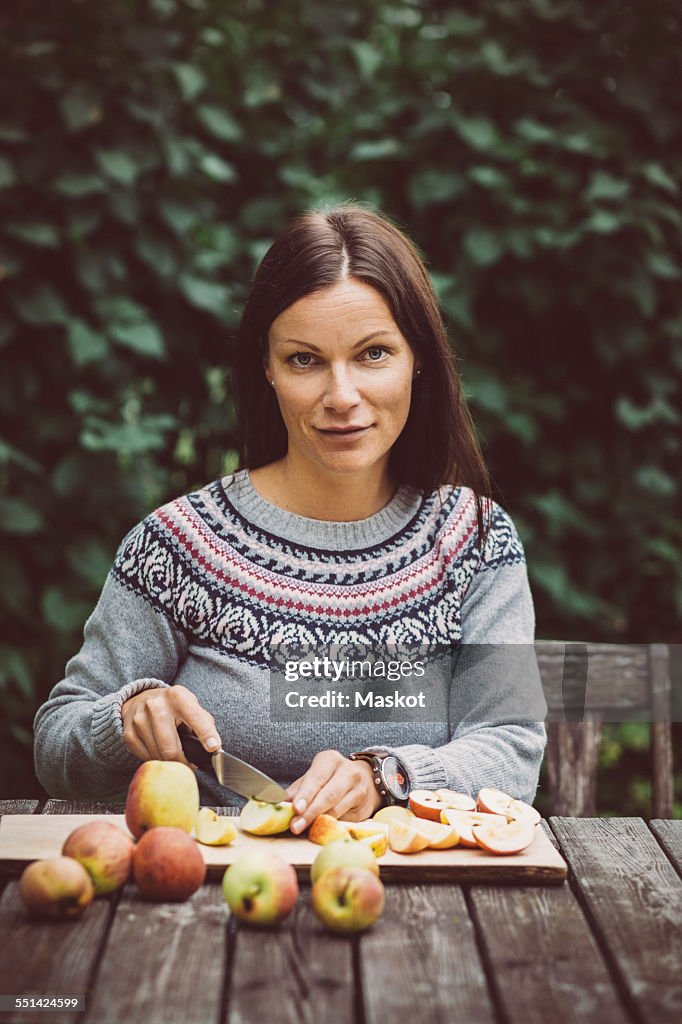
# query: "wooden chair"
[[583, 682]]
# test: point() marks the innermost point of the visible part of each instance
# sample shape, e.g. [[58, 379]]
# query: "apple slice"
[[264, 819], [458, 801], [441, 836], [327, 829], [378, 843], [518, 810], [425, 804], [361, 829], [395, 811], [406, 838], [213, 829], [464, 821], [505, 837], [493, 801]]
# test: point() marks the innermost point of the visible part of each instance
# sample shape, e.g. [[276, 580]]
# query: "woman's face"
[[343, 377]]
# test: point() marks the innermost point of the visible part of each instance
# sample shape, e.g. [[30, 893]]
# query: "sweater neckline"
[[321, 533]]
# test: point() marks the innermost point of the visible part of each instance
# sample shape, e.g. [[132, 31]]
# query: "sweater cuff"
[[107, 723], [424, 768]]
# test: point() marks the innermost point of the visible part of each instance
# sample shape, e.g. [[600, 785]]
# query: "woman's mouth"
[[343, 432]]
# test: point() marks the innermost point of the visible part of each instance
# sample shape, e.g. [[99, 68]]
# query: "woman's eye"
[[375, 354], [300, 359]]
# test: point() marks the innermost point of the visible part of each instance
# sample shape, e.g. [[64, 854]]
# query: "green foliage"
[[152, 150]]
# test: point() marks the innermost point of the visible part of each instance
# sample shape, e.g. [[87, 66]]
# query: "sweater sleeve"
[[128, 646], [496, 705]]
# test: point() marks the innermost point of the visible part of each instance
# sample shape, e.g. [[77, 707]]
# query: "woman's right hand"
[[151, 720]]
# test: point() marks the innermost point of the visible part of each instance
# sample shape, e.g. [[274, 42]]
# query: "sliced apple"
[[458, 801], [362, 829], [464, 821], [378, 843], [425, 804], [493, 801], [518, 810], [406, 838], [504, 837], [264, 819], [441, 836], [395, 811], [327, 829], [213, 829]]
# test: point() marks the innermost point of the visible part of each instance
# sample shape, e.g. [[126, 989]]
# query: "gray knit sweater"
[[204, 586]]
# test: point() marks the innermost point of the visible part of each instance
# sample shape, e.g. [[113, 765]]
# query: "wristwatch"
[[390, 777]]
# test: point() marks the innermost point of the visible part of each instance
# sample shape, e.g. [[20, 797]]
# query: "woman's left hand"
[[334, 785]]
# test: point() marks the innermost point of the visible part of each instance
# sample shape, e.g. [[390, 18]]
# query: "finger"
[[189, 711], [321, 770], [135, 745], [165, 733], [331, 794], [294, 787]]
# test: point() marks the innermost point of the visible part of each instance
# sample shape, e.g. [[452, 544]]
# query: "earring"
[[273, 383]]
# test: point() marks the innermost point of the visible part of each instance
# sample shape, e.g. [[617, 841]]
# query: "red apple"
[[56, 887], [505, 837], [348, 899], [168, 865], [105, 851], [260, 888], [425, 804]]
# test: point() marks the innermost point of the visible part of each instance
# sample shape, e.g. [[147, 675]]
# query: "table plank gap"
[[82, 807], [537, 947], [420, 961], [632, 898], [297, 966], [669, 836]]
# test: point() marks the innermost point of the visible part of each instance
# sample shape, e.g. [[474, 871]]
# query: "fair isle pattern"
[[228, 584]]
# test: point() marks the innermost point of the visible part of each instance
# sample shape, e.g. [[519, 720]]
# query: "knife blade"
[[231, 772]]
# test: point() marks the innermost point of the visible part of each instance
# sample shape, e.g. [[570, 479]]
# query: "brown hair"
[[438, 444]]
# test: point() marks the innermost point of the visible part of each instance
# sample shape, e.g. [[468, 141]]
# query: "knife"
[[231, 772]]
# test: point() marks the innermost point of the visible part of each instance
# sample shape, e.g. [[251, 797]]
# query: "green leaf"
[[86, 345], [604, 186], [219, 123], [118, 165], [127, 439], [17, 516], [61, 612], [41, 306], [604, 222], [7, 175], [378, 149], [207, 295], [483, 246], [478, 132], [90, 559], [145, 338], [44, 236], [433, 186], [190, 80], [458, 23], [216, 168], [367, 57], [655, 481], [77, 185], [80, 109], [488, 177], [657, 175]]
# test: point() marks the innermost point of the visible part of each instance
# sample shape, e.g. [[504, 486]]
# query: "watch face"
[[394, 778]]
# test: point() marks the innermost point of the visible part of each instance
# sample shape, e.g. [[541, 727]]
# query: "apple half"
[[458, 801], [265, 819], [378, 843], [518, 810], [493, 801], [213, 829], [464, 821], [504, 837], [327, 829], [406, 838], [424, 803]]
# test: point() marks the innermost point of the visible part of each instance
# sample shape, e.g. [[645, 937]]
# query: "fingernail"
[[300, 805], [297, 825], [212, 743]]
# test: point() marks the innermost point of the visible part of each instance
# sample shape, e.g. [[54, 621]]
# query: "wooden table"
[[604, 947]]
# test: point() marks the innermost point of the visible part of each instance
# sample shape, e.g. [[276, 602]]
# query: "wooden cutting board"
[[26, 837]]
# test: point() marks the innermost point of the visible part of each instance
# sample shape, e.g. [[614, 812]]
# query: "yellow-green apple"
[[264, 819], [505, 837], [370, 827], [56, 887], [387, 814], [214, 829], [464, 821], [378, 844], [162, 793], [260, 888], [167, 864], [341, 853], [327, 829], [105, 851], [458, 801], [348, 899], [493, 801], [441, 836], [519, 810], [403, 837]]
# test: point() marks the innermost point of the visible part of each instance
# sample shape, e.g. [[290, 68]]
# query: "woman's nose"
[[340, 390]]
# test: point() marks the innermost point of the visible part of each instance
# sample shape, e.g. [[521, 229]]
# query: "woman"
[[358, 517]]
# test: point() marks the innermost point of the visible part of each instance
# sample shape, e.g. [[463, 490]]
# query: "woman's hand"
[[334, 785], [151, 720]]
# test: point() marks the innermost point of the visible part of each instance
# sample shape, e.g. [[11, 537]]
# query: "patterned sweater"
[[204, 586]]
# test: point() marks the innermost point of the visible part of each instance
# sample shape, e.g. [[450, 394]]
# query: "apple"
[[425, 804], [441, 836], [493, 801], [327, 829], [56, 887], [105, 851], [518, 810], [167, 864], [264, 819], [260, 888], [378, 844], [363, 829], [406, 838], [348, 899], [397, 811], [213, 829], [458, 801], [505, 837], [464, 821], [342, 853], [162, 793]]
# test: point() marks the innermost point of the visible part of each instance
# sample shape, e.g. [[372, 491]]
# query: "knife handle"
[[194, 751]]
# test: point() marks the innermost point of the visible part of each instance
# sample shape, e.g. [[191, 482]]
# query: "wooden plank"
[[24, 838], [163, 962], [420, 961], [616, 675], [632, 896], [293, 972], [661, 733], [538, 947], [669, 835], [18, 807], [572, 758], [49, 957], [65, 807]]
